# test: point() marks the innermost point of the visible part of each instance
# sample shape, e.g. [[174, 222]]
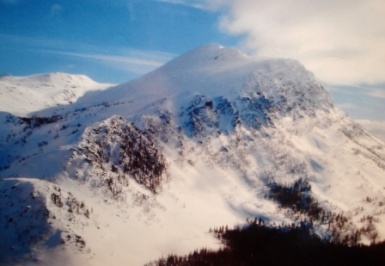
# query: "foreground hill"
[[212, 138]]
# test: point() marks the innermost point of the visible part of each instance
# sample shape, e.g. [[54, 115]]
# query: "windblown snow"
[[143, 169]]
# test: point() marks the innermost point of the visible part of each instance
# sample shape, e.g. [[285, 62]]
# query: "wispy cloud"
[[56, 10], [131, 60], [140, 64], [198, 4], [348, 106], [377, 93], [376, 128], [341, 41], [361, 101], [9, 2], [10, 41]]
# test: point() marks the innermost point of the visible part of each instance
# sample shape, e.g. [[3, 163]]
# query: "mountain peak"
[[210, 52], [215, 71], [208, 56]]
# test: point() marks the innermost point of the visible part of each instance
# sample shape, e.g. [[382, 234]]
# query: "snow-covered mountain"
[[23, 95], [146, 168]]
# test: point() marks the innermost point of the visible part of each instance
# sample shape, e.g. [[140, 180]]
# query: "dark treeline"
[[260, 244]]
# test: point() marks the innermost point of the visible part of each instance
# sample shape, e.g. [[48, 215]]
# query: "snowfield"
[[94, 175]]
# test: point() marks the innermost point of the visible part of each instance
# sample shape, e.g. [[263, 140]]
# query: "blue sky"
[[111, 41], [340, 41]]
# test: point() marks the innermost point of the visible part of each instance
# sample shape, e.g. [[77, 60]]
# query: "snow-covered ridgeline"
[[218, 129]]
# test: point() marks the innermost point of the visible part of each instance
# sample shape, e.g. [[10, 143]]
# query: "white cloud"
[[341, 41]]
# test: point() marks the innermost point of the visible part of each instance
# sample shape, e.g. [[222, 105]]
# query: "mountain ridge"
[[205, 140]]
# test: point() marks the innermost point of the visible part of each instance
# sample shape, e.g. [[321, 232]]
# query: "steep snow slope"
[[205, 140], [23, 95]]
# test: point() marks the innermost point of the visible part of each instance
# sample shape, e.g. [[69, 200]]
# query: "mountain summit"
[[214, 137], [216, 71]]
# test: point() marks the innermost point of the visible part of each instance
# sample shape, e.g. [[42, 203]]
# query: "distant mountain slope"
[[211, 138], [23, 95]]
